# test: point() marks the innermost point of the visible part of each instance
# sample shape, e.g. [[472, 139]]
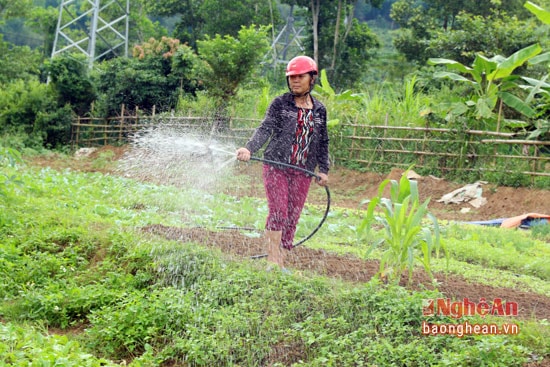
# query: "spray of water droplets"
[[179, 156]]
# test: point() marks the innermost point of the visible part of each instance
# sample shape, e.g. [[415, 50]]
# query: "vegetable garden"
[[120, 271]]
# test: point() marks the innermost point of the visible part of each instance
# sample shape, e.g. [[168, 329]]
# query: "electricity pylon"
[[288, 43], [94, 28]]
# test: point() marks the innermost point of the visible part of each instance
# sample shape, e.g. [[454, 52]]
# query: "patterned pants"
[[286, 191]]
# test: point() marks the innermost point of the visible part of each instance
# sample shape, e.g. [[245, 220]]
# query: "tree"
[[18, 63], [229, 62], [44, 22], [210, 17], [14, 8], [423, 23], [340, 44], [495, 34], [446, 11], [142, 27], [159, 72], [71, 83]]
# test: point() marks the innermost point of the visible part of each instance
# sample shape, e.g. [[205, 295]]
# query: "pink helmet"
[[301, 65]]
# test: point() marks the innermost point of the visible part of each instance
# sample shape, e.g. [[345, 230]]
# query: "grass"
[[71, 259]]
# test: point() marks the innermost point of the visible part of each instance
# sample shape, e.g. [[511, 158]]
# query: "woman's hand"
[[323, 179], [243, 154]]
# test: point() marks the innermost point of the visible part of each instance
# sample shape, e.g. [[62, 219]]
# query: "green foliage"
[[495, 248], [251, 104], [427, 29], [62, 305], [237, 14], [43, 23], [507, 178], [71, 83], [405, 235], [157, 302], [542, 14], [17, 63], [353, 53], [8, 158], [55, 127], [415, 25], [231, 61], [199, 104], [196, 19], [541, 127], [160, 72], [31, 111], [338, 105], [27, 346], [492, 35], [14, 8], [541, 231], [492, 80]]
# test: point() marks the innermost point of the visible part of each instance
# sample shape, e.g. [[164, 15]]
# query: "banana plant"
[[542, 126], [334, 100], [542, 14], [492, 80]]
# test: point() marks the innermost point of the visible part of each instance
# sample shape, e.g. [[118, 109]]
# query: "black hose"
[[309, 173]]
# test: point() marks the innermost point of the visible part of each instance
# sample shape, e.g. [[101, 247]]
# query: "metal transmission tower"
[[288, 43], [96, 32]]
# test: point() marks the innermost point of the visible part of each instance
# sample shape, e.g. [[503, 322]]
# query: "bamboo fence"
[[451, 150], [361, 145]]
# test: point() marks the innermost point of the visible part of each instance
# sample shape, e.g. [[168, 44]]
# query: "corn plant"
[[407, 239]]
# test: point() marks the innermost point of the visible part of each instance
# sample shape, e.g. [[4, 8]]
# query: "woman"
[[296, 126]]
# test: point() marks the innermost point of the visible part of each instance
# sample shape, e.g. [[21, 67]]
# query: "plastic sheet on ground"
[[471, 193], [520, 221]]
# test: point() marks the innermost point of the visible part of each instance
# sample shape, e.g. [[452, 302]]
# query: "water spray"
[[167, 153]]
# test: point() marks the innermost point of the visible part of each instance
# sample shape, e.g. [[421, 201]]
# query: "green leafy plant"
[[542, 14], [542, 127], [228, 62], [407, 239], [492, 80], [8, 157], [333, 100], [26, 346]]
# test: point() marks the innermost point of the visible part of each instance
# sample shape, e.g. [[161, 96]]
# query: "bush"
[[70, 81], [30, 111]]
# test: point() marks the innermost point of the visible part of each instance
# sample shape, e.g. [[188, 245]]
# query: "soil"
[[348, 189]]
